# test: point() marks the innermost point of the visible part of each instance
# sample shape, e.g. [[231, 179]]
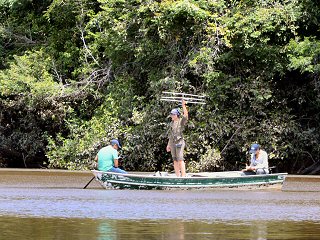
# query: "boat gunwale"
[[196, 177], [195, 185]]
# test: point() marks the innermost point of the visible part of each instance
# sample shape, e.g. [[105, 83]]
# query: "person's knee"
[[262, 171], [117, 170], [121, 171]]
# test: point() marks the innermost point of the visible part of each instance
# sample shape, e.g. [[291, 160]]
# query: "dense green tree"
[[94, 70]]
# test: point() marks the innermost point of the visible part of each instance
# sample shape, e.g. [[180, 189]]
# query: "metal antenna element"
[[177, 97]]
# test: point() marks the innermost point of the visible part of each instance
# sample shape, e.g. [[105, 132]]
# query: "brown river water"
[[62, 212]]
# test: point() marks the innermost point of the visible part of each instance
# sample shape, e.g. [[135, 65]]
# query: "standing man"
[[107, 158], [176, 142], [259, 160]]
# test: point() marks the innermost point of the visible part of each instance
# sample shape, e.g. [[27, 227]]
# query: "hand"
[[183, 102], [168, 148], [249, 168]]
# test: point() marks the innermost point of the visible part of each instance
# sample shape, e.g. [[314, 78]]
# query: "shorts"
[[177, 150]]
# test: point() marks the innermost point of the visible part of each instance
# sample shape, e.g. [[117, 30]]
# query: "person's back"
[[106, 158]]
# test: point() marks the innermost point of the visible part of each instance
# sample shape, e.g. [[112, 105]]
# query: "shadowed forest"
[[76, 73]]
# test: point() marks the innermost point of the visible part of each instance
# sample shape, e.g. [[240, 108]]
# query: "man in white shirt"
[[259, 160]]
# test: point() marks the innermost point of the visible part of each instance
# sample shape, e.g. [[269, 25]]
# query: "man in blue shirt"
[[107, 158]]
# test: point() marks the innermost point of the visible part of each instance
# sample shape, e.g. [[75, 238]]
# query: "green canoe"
[[197, 180]]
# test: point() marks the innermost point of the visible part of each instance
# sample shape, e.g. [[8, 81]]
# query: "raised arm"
[[184, 108]]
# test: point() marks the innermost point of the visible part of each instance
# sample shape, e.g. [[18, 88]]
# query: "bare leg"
[[176, 168], [182, 167]]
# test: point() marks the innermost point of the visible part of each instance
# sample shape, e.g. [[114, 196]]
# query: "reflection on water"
[[127, 214], [138, 204], [95, 229]]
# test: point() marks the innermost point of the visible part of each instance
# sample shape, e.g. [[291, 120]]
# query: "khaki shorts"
[[177, 151]]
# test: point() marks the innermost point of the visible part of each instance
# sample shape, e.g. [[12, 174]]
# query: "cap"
[[175, 111], [115, 141], [254, 148]]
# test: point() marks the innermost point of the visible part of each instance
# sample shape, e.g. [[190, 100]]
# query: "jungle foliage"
[[76, 73]]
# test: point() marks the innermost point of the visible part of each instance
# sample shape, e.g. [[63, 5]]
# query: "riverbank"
[[45, 178], [301, 183], [53, 178]]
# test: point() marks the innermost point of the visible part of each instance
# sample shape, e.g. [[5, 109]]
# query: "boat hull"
[[205, 180]]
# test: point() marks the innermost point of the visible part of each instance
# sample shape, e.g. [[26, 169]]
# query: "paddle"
[[88, 182], [120, 159]]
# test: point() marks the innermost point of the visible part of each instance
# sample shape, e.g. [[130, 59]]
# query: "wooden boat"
[[196, 180]]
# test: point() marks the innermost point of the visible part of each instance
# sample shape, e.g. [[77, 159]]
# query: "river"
[[75, 213]]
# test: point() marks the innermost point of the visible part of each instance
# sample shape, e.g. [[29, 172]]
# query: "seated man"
[[258, 162], [107, 158]]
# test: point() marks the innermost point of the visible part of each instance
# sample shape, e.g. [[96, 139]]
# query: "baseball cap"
[[115, 141], [254, 148], [175, 111]]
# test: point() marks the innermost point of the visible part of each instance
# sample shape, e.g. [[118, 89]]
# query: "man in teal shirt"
[[107, 158]]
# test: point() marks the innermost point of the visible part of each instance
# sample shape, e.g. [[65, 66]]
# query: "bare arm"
[[168, 148], [116, 162], [184, 108]]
